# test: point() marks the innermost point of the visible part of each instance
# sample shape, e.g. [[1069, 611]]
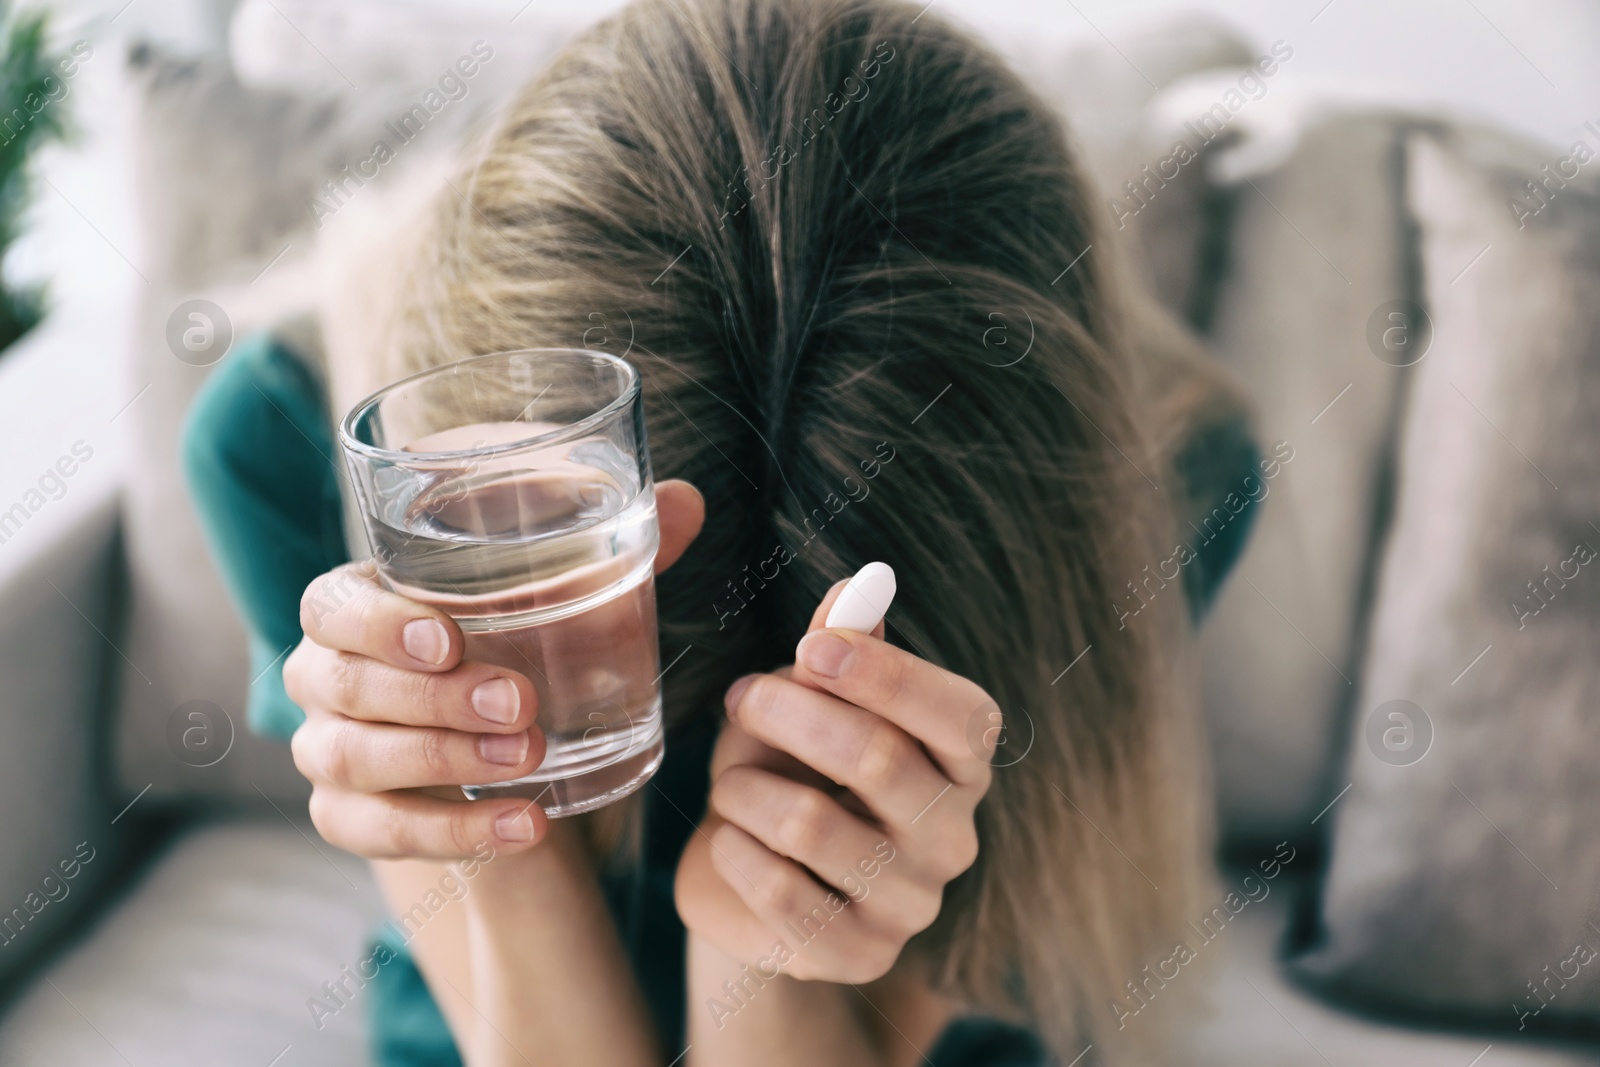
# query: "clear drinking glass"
[[513, 491]]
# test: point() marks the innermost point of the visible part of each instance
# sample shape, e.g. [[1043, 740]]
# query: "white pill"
[[864, 600]]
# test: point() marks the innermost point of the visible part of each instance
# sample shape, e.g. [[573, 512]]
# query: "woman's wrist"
[[550, 976], [739, 1013], [542, 883]]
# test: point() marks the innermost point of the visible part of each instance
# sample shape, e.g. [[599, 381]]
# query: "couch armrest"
[[57, 592], [60, 393]]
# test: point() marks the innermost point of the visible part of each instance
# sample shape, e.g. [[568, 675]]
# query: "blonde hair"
[[821, 231]]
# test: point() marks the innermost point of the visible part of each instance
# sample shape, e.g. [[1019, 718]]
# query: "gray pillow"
[[225, 178], [1315, 247], [1119, 124], [221, 174], [1465, 863]]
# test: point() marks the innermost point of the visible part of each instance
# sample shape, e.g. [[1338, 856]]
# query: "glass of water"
[[513, 492]]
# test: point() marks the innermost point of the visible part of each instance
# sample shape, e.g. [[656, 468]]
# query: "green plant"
[[32, 88]]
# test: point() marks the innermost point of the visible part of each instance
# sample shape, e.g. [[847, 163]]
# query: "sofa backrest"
[[1276, 254]]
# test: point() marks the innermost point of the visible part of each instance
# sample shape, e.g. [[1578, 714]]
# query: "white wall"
[[1486, 57], [1529, 64]]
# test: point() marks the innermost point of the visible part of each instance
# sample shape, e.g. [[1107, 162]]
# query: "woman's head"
[[850, 254]]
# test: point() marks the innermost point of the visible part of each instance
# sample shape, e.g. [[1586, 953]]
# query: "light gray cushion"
[[211, 959], [1459, 878], [1315, 247], [1111, 93], [1257, 1016], [57, 595], [226, 176], [1105, 87], [221, 176]]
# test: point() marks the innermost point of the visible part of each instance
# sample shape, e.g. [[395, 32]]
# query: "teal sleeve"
[[407, 1027], [258, 454], [1222, 493]]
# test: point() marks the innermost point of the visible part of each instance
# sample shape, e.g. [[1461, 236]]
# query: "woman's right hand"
[[392, 709]]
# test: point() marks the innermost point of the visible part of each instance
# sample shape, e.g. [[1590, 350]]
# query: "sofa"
[[1396, 679]]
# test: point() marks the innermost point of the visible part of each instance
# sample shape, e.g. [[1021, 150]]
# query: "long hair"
[[850, 253]]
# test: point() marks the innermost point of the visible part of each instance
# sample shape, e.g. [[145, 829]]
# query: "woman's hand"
[[842, 803], [392, 709]]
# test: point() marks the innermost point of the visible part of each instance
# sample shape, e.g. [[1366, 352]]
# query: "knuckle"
[[952, 847], [881, 757], [983, 777], [312, 606], [804, 829], [886, 957], [757, 701], [338, 754], [780, 894], [434, 753], [726, 792], [921, 911], [320, 809], [961, 853], [888, 679], [800, 968], [876, 958], [399, 831], [348, 680], [325, 594], [433, 696], [368, 616], [302, 744], [459, 830], [970, 847], [293, 670]]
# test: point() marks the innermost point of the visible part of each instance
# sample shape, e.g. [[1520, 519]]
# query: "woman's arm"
[[526, 967], [551, 983], [734, 1018], [522, 958], [439, 947], [526, 963]]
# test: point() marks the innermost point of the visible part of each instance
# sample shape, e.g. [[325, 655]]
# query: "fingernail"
[[425, 640], [730, 702], [497, 700], [508, 750], [515, 826], [825, 653]]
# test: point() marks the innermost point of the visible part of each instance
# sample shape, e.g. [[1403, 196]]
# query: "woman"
[[852, 257]]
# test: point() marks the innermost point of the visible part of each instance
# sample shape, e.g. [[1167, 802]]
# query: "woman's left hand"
[[842, 801]]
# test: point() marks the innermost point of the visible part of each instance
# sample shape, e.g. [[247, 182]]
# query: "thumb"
[[798, 673], [681, 512]]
